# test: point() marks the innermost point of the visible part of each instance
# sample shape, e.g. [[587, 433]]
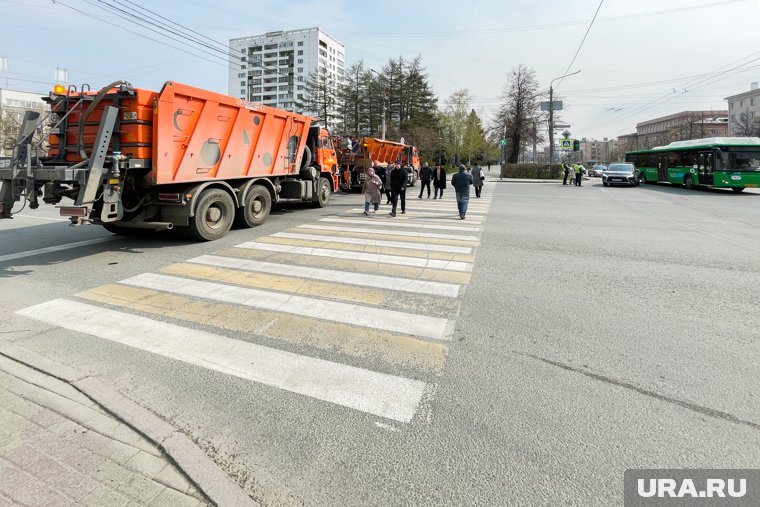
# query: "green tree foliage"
[[321, 98], [401, 90], [519, 111], [454, 119], [474, 143]]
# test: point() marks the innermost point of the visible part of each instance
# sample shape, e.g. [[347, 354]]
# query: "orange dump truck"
[[356, 156], [182, 157]]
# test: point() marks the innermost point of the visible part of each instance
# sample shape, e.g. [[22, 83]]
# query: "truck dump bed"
[[190, 135]]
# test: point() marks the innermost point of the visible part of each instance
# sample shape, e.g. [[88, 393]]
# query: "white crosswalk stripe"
[[363, 279], [374, 242], [406, 225], [384, 395], [389, 232], [360, 256]]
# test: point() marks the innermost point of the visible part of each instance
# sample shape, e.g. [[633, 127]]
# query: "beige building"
[[675, 127], [593, 151], [13, 105], [744, 113]]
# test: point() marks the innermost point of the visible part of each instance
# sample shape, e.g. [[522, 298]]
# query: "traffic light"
[[502, 142], [576, 145]]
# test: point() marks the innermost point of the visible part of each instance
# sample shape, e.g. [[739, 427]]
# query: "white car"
[[597, 170]]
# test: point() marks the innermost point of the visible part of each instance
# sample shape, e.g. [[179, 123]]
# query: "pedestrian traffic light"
[[576, 145], [502, 141]]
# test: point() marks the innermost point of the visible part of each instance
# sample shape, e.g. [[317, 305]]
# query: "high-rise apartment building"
[[273, 67]]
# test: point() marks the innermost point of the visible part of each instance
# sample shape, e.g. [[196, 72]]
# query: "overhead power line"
[[580, 45]]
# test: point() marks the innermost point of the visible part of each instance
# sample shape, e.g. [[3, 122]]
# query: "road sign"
[[556, 105], [565, 134], [566, 144]]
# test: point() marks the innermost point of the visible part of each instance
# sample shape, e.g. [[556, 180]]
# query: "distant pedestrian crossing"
[[377, 295]]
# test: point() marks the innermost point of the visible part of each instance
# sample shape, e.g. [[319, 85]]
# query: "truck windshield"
[[744, 161]]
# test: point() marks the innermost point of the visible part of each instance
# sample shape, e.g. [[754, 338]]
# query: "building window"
[[300, 69], [300, 52], [751, 102], [300, 60], [300, 43]]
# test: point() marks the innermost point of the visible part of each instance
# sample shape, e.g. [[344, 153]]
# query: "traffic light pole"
[[551, 114]]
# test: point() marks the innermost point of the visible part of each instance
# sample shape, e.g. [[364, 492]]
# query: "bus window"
[[744, 161]]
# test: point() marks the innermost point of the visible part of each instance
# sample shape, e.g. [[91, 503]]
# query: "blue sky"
[[639, 61]]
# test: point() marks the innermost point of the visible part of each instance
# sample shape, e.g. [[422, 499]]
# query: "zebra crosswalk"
[[369, 304]]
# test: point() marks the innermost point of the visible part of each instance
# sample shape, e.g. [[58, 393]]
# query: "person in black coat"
[[439, 181], [426, 174], [398, 189]]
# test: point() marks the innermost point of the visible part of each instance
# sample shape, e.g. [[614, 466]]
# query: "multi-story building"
[[594, 151], [744, 112], [680, 127], [13, 105], [273, 67]]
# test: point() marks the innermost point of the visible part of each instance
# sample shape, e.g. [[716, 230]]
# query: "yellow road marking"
[[389, 351], [437, 275]]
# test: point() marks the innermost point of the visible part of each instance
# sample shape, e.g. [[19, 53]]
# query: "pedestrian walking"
[[426, 174], [398, 189], [461, 182], [566, 170], [478, 177], [387, 182], [371, 189], [578, 169], [380, 173], [439, 181]]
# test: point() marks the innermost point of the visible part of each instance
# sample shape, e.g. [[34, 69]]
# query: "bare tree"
[[746, 125], [519, 111]]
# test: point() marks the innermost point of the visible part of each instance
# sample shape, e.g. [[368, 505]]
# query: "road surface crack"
[[717, 414]]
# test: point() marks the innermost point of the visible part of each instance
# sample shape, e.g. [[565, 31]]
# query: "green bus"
[[720, 162]]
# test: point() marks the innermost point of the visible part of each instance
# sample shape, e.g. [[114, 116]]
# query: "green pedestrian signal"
[[502, 141]]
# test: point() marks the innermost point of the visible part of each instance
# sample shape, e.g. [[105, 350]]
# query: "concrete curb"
[[188, 457]]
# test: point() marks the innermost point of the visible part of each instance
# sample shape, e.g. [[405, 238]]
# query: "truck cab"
[[324, 153]]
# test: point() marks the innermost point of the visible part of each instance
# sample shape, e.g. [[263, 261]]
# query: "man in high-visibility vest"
[[578, 174]]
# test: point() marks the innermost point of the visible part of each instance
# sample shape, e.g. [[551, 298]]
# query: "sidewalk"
[[58, 448]]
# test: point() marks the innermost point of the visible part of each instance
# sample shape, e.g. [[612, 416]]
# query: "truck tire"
[[322, 195], [214, 214], [256, 209]]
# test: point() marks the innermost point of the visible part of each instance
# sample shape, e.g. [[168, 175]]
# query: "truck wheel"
[[213, 215], [322, 197], [255, 210], [689, 182]]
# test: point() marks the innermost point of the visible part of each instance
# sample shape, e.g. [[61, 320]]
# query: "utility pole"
[[551, 114]]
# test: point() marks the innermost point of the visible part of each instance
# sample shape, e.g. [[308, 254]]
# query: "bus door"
[[705, 167], [662, 168]]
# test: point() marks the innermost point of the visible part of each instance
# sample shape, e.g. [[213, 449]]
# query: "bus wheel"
[[255, 210], [322, 198], [689, 182], [213, 215], [738, 189]]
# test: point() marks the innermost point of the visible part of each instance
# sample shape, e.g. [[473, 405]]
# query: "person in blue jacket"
[[461, 182]]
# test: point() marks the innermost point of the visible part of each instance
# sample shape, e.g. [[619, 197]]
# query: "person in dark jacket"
[[461, 182], [426, 174], [439, 181], [398, 189], [566, 171], [477, 179]]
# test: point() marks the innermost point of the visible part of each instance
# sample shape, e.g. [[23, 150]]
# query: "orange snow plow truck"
[[127, 158]]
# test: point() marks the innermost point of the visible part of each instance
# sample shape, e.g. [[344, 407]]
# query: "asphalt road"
[[600, 329]]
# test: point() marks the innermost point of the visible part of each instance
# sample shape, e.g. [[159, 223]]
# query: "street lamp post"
[[551, 114]]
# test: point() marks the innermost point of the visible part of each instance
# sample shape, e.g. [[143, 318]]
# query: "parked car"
[[621, 174], [597, 170]]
